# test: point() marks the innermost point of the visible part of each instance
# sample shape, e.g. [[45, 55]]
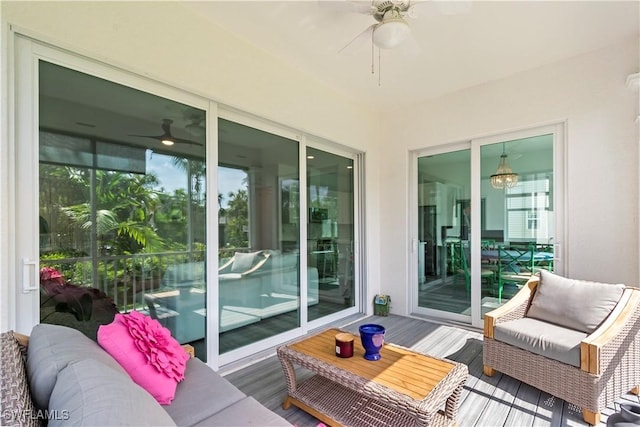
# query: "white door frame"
[[558, 132], [24, 144]]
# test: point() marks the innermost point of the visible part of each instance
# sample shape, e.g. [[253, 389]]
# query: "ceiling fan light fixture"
[[390, 33]]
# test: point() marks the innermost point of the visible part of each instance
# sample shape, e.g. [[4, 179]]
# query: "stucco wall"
[[589, 92]]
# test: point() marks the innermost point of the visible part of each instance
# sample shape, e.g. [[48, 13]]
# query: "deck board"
[[486, 401]]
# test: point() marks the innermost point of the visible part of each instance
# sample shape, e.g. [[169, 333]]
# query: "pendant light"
[[504, 176]]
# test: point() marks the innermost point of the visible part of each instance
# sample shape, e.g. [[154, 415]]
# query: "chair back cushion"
[[245, 261], [576, 304]]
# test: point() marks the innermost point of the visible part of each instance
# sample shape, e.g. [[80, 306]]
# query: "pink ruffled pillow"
[[147, 351]]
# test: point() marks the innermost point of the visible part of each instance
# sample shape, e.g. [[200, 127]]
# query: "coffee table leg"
[[453, 401], [286, 404], [290, 379]]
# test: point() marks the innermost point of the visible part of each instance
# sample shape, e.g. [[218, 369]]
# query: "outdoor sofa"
[[60, 375]]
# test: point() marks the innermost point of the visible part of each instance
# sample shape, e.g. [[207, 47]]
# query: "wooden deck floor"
[[486, 401]]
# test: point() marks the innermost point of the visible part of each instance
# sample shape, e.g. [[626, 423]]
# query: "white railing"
[[124, 278]]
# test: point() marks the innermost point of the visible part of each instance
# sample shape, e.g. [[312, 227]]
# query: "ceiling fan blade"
[[186, 141], [358, 41], [348, 6], [438, 7], [158, 137]]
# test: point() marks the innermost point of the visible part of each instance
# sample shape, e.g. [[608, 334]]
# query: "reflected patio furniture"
[[461, 264], [573, 339], [160, 312], [266, 286], [517, 262]]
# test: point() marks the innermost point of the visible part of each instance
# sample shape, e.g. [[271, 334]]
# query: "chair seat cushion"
[[543, 338]]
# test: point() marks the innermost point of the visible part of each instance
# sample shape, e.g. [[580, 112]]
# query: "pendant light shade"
[[504, 176]]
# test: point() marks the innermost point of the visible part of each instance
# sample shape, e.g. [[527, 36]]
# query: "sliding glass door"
[[488, 214], [258, 227], [444, 220], [118, 193], [112, 173], [518, 224], [330, 233]]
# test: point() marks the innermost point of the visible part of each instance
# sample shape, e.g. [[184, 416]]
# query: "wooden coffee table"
[[403, 388]]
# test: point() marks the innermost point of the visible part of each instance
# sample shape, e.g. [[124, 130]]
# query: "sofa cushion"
[[51, 349], [201, 381], [246, 412], [543, 338], [88, 393], [575, 304], [15, 399], [147, 351]]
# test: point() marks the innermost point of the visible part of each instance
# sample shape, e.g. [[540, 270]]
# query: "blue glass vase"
[[372, 337]]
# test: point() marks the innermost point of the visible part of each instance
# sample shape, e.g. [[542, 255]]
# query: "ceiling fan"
[[391, 28], [167, 138]]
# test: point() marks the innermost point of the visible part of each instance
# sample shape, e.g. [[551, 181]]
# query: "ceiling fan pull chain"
[[379, 68], [372, 55]]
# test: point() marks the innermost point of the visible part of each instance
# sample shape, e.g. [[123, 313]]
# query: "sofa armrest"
[[188, 348], [23, 340], [257, 266], [515, 308], [617, 325], [226, 267]]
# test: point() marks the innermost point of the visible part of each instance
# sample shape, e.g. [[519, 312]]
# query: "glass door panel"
[[444, 221], [122, 205], [259, 229], [517, 226], [330, 233]]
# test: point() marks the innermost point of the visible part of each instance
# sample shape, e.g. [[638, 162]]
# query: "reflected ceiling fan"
[[167, 138]]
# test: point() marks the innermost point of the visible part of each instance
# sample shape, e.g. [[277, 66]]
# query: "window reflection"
[[330, 232], [258, 198], [122, 215]]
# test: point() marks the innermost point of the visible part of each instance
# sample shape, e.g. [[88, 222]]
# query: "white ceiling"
[[454, 51]]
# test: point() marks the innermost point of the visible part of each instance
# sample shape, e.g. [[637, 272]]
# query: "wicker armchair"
[[609, 356]]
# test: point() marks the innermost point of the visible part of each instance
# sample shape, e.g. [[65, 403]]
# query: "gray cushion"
[[202, 393], [575, 304], [88, 393], [244, 413], [15, 399], [243, 261], [51, 349], [546, 339]]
